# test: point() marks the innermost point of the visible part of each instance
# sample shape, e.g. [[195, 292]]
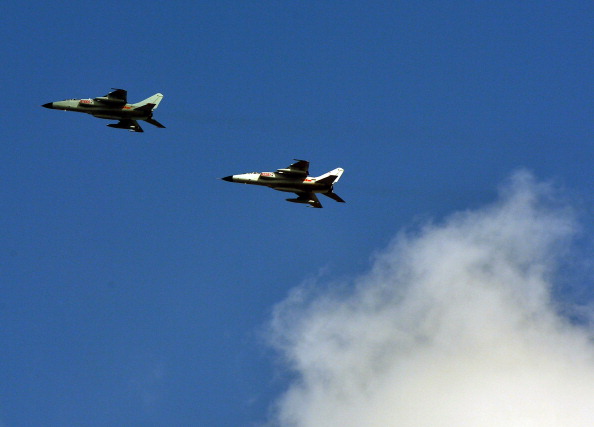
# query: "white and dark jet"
[[295, 179], [114, 106]]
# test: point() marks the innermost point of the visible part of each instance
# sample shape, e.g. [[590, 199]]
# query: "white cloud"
[[453, 326]]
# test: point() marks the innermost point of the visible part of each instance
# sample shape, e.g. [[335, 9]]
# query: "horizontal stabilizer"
[[334, 196], [154, 122]]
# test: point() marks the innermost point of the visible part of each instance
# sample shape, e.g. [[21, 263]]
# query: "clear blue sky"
[[135, 287]]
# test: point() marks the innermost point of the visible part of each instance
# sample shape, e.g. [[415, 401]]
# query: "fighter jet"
[[295, 179], [114, 106]]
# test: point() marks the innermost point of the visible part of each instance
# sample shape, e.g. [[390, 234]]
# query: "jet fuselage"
[[101, 110], [281, 183]]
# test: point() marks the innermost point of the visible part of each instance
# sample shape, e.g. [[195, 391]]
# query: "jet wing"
[[117, 97], [307, 198], [299, 168], [131, 125]]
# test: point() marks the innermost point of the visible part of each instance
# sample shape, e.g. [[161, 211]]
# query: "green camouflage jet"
[[114, 106]]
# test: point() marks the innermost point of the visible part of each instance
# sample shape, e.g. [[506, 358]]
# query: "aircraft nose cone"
[[48, 105], [228, 178]]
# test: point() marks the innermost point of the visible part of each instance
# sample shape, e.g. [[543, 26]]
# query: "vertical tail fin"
[[331, 177], [155, 100]]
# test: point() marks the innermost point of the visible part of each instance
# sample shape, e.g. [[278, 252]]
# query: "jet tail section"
[[331, 177], [152, 102]]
